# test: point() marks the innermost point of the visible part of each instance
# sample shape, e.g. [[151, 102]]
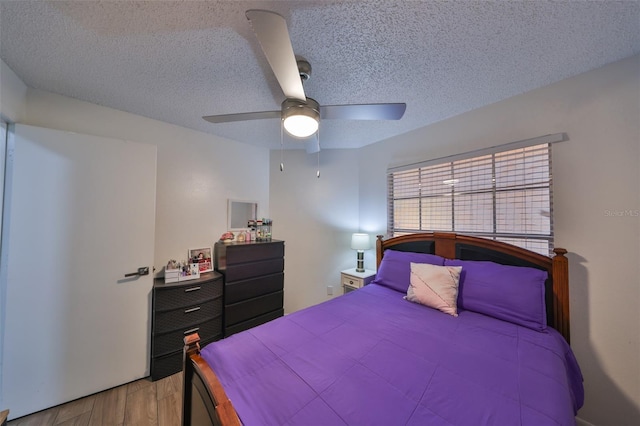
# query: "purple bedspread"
[[372, 358]]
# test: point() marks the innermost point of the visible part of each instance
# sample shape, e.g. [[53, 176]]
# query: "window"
[[502, 195]]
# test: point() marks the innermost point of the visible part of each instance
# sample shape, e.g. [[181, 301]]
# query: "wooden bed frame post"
[[561, 295], [191, 347], [379, 250], [209, 396]]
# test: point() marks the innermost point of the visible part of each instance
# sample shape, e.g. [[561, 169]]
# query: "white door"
[[80, 214]]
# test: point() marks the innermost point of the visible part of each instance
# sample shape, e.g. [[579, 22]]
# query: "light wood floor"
[[139, 403]]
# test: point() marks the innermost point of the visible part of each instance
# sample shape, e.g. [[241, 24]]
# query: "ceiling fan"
[[300, 115]]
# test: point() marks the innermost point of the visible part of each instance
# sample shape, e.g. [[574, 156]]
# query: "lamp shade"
[[360, 242]]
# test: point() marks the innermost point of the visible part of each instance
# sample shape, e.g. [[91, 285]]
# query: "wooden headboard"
[[464, 247]]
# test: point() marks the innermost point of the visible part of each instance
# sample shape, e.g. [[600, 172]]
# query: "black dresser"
[[179, 309], [253, 282]]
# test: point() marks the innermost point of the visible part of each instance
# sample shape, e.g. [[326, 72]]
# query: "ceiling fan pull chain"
[[281, 147], [318, 171]]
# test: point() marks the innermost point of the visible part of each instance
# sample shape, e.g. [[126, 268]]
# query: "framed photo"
[[202, 256]]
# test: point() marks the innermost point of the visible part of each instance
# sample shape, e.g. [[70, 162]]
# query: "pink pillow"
[[435, 286]]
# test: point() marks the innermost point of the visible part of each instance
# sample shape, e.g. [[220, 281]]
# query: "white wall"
[[315, 217], [13, 94], [595, 171], [197, 172]]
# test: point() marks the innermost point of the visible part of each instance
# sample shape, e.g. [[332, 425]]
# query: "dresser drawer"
[[247, 289], [166, 365], [178, 319], [255, 269], [248, 309], [164, 343], [187, 295], [245, 325], [253, 252]]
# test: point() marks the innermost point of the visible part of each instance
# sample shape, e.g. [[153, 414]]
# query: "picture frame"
[[203, 257]]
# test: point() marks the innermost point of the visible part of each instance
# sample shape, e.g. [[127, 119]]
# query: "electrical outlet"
[[330, 290]]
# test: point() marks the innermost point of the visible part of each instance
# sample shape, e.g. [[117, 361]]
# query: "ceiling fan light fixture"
[[300, 119], [300, 126]]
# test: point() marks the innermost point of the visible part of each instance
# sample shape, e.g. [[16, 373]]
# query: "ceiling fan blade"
[[242, 116], [363, 111], [273, 36]]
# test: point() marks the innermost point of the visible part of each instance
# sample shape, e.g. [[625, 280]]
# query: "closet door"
[[79, 215]]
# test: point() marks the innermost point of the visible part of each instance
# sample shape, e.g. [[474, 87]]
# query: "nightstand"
[[352, 280]]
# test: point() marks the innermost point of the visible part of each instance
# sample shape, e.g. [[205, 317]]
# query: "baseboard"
[[580, 422]]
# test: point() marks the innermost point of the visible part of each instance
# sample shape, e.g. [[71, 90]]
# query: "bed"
[[499, 355]]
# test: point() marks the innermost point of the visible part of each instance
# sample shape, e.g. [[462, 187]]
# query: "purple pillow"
[[395, 269], [510, 293]]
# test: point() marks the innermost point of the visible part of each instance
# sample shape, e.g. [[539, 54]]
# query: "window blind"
[[504, 195]]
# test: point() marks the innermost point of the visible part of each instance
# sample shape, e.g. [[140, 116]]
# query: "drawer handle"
[[187, 290], [350, 281], [193, 330], [187, 311]]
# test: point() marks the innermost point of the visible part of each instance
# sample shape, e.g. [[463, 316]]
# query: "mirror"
[[239, 213]]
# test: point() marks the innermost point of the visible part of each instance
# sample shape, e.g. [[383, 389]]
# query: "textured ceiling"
[[178, 61]]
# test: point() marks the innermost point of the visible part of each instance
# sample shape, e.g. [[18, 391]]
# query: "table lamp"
[[361, 243]]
